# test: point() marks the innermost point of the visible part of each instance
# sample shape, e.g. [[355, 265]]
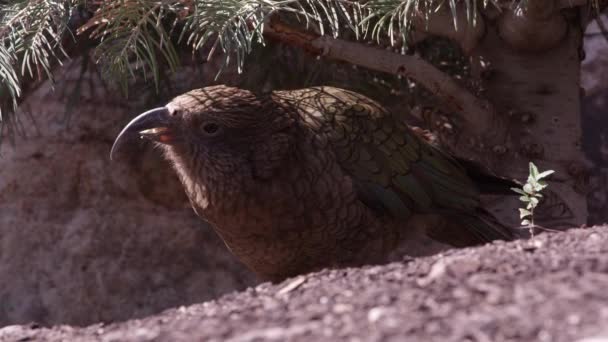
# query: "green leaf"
[[31, 36], [538, 187], [524, 213], [519, 191], [525, 198], [545, 174], [534, 201], [525, 222], [528, 189], [533, 170]]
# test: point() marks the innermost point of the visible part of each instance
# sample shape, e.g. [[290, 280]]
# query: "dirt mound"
[[551, 289]]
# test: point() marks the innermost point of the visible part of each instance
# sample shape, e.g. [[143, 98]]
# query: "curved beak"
[[155, 124]]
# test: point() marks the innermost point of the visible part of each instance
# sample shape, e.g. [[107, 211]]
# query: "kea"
[[295, 181]]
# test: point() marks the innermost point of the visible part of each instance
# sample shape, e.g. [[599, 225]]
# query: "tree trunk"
[[538, 100]]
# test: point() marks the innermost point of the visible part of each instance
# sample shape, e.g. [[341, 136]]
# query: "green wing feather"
[[376, 148], [394, 170]]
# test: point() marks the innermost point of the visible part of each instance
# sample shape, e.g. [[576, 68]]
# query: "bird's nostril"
[[172, 111]]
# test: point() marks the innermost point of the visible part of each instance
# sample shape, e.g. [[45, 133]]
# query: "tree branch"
[[478, 115], [71, 46]]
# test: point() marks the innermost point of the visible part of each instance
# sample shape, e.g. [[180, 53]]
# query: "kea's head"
[[218, 131]]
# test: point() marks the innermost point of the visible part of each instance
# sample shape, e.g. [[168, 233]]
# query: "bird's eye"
[[211, 128]]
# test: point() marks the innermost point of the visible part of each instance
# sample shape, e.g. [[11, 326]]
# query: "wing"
[[393, 169]]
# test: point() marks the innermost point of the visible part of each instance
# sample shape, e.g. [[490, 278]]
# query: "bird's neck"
[[209, 192]]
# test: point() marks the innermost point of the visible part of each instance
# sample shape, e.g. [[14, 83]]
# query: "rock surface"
[[594, 71], [84, 239], [549, 289]]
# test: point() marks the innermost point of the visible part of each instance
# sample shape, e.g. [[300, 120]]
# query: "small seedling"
[[531, 196]]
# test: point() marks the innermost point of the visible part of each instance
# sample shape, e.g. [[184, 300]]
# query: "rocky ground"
[[549, 289]]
